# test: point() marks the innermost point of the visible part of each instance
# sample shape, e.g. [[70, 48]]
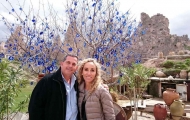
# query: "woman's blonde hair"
[[97, 80]]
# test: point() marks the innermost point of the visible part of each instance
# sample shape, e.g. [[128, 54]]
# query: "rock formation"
[[157, 38]]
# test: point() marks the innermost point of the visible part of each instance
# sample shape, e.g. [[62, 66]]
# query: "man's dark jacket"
[[49, 98]]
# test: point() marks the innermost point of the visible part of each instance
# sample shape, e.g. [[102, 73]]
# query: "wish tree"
[[89, 28], [35, 36], [99, 30]]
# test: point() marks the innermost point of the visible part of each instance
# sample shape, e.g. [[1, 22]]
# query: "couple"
[[63, 96]]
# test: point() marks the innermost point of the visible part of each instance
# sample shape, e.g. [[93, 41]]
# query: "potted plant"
[[136, 78]]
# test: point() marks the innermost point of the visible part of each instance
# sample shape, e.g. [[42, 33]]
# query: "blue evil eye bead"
[[93, 4], [33, 20], [138, 61], [30, 59], [39, 63], [102, 61], [124, 23], [84, 44], [114, 65], [50, 68], [120, 31], [115, 54], [5, 45], [11, 58], [70, 49], [129, 27], [108, 64], [143, 32], [12, 30], [14, 48], [20, 59], [77, 35], [140, 25], [38, 39], [41, 33], [42, 41], [55, 67], [49, 44], [20, 8], [96, 56], [13, 10], [54, 61], [44, 71], [75, 3], [47, 60], [2, 55], [71, 10], [36, 57], [100, 49], [117, 13], [99, 31]]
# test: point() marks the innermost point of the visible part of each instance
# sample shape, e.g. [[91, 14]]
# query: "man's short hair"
[[70, 56]]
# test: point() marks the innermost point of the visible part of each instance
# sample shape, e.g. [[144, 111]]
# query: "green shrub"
[[11, 80], [187, 62], [168, 64], [171, 71], [181, 66]]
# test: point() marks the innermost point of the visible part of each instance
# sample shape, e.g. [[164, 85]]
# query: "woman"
[[95, 102]]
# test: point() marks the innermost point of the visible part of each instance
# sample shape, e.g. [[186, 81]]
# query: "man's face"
[[69, 66]]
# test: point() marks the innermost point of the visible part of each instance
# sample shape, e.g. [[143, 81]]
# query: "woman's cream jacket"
[[99, 104]]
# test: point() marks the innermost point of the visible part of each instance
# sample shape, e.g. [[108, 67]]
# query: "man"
[[55, 95]]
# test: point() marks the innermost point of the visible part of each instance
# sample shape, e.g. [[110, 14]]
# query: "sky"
[[177, 11]]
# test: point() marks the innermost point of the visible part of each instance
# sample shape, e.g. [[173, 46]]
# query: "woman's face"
[[89, 72]]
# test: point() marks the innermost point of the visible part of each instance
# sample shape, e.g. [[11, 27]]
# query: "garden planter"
[[183, 74], [188, 75], [160, 112], [128, 112], [160, 74], [160, 55], [40, 76], [171, 53], [177, 109], [170, 95]]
